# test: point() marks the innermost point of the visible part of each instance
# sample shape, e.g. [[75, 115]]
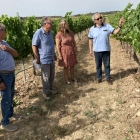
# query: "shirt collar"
[[96, 26], [1, 42], [44, 31]]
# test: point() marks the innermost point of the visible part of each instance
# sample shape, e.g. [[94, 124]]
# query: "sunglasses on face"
[[3, 30], [98, 18]]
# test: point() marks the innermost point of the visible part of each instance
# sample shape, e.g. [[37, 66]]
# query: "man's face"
[[48, 25], [98, 19], [3, 33]]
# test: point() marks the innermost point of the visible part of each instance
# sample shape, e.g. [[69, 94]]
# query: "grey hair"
[[2, 26], [93, 17], [44, 20]]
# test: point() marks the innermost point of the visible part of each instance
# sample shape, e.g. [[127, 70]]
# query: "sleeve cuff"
[[90, 38], [112, 31]]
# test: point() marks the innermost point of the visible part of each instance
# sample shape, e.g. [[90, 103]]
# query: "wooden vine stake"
[[23, 68], [136, 59], [130, 51], [122, 43], [34, 70], [126, 47]]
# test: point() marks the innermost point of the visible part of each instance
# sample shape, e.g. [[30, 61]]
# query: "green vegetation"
[[130, 31], [20, 32]]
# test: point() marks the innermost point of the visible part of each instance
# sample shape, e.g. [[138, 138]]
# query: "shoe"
[[99, 81], [46, 96], [74, 80], [109, 82], [9, 127], [53, 92], [68, 83], [15, 117]]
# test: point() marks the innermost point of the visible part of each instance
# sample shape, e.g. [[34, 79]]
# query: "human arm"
[[2, 85], [58, 48], [90, 36], [55, 57], [75, 46], [35, 44], [116, 31], [10, 50], [35, 51], [90, 46]]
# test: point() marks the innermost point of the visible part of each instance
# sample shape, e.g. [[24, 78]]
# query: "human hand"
[[2, 86], [4, 47], [60, 57], [121, 21], [76, 52], [38, 61], [55, 57], [91, 53]]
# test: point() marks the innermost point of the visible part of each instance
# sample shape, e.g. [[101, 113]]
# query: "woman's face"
[[66, 26]]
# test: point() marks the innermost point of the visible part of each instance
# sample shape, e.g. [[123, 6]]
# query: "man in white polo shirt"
[[99, 38], [7, 80]]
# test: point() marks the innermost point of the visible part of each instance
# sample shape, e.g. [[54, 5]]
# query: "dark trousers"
[[105, 57], [47, 75]]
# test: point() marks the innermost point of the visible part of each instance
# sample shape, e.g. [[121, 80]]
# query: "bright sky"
[[60, 7]]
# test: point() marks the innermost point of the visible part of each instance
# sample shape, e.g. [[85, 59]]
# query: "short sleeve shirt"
[[100, 37], [45, 45], [6, 59]]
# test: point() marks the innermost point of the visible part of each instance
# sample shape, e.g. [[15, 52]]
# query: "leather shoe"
[[109, 82], [99, 81]]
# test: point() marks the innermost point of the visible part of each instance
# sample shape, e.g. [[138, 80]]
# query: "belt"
[[7, 71]]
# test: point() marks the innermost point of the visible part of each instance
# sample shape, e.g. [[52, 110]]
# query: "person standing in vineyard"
[[67, 50], [99, 38], [7, 80], [44, 51]]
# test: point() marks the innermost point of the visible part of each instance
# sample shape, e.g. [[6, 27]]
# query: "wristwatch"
[[120, 26]]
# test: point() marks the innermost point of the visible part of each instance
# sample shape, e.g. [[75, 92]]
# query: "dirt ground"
[[83, 110]]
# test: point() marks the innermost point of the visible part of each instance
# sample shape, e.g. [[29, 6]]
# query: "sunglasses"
[[3, 30], [98, 18]]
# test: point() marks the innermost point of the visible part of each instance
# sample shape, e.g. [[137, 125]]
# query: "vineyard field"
[[20, 32]]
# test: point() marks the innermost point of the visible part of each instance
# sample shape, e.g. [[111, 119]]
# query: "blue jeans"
[[7, 96], [105, 57]]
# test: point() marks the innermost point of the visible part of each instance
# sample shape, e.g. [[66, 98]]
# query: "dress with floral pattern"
[[67, 50]]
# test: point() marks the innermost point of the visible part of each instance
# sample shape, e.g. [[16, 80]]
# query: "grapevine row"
[[130, 31], [20, 33]]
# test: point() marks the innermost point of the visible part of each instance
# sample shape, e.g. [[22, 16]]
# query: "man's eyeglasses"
[[3, 30], [98, 18], [49, 23]]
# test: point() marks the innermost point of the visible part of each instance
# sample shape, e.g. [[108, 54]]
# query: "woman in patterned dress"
[[67, 50]]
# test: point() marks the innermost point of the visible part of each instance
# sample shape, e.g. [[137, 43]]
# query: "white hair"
[[93, 17], [2, 26], [44, 20]]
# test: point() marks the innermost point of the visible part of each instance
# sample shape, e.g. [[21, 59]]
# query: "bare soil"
[[83, 110]]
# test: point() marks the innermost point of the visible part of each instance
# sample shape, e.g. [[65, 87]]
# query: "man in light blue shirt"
[[99, 40], [43, 48], [7, 80]]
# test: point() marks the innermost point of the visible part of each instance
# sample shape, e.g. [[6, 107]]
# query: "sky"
[[40, 8]]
